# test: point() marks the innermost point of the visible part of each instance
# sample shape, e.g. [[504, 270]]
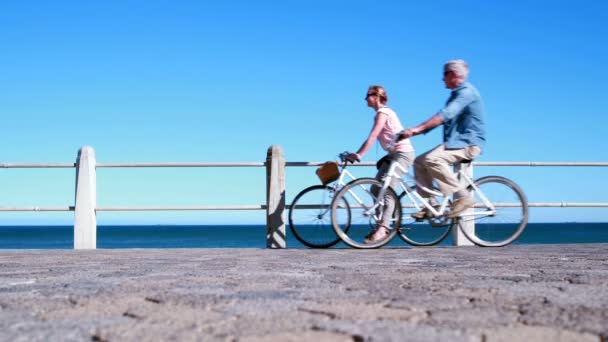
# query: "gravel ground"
[[530, 292]]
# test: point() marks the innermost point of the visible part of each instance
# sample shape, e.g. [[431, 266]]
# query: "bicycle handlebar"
[[390, 148], [345, 161]]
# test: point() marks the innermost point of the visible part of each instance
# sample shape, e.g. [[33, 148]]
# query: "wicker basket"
[[328, 172]]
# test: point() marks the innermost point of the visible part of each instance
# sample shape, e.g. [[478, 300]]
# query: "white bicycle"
[[500, 213], [310, 219]]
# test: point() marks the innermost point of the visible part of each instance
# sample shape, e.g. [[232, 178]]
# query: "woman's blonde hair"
[[380, 91]]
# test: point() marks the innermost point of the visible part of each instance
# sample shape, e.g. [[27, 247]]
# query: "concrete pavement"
[[528, 292]]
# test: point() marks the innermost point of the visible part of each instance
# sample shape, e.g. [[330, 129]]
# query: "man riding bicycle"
[[463, 138]]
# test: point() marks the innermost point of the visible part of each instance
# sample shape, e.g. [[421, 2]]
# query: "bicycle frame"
[[419, 202], [341, 183], [343, 174], [491, 210]]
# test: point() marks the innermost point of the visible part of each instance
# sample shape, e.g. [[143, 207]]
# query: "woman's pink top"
[[392, 127]]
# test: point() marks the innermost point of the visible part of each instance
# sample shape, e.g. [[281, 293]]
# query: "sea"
[[246, 236]]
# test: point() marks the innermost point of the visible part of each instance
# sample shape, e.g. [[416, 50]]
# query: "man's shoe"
[[422, 214], [460, 205], [380, 233]]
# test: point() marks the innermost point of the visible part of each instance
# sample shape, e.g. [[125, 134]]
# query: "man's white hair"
[[459, 67]]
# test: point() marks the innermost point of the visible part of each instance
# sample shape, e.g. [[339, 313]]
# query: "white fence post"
[[85, 220], [275, 198], [459, 239]]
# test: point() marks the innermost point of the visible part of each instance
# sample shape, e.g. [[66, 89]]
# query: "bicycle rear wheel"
[[427, 232], [310, 217], [365, 213], [504, 224]]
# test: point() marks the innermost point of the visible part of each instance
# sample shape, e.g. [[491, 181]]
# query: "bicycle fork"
[[490, 209], [377, 210]]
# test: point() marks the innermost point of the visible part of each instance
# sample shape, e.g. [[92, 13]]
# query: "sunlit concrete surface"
[[531, 292]]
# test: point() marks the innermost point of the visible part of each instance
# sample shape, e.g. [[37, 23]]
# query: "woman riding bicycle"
[[386, 125]]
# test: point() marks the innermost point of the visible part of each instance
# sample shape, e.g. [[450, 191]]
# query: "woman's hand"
[[353, 157]]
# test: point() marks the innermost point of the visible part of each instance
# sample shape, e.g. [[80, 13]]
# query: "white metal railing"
[[181, 164], [85, 208]]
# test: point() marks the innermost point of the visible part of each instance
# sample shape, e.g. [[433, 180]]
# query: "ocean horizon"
[[246, 236]]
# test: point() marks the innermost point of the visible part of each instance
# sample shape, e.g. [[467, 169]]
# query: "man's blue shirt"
[[463, 118]]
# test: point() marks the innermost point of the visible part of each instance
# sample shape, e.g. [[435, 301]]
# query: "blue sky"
[[173, 81]]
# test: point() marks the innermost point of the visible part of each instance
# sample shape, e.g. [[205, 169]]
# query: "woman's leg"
[[405, 159]]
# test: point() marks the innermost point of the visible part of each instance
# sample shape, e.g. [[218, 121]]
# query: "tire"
[[427, 232], [359, 195], [310, 217], [509, 220]]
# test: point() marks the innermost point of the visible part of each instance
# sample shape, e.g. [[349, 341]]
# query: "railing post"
[[458, 238], [275, 198], [85, 221]]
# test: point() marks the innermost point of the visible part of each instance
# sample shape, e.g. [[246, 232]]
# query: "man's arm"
[[424, 127], [457, 102]]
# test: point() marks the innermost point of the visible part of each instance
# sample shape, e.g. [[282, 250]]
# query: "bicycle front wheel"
[[366, 211], [426, 232], [502, 224], [310, 217]]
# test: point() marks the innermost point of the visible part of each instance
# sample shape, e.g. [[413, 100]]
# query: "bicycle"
[[367, 202], [310, 212]]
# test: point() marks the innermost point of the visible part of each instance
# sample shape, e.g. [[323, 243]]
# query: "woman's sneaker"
[[380, 234]]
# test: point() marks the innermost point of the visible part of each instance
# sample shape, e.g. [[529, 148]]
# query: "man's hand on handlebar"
[[407, 133]]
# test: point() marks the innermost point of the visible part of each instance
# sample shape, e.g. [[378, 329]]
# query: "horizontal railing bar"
[[36, 208], [301, 206], [500, 163], [262, 164], [540, 164], [569, 204], [538, 205], [194, 164], [321, 163], [498, 205], [36, 165], [185, 208]]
